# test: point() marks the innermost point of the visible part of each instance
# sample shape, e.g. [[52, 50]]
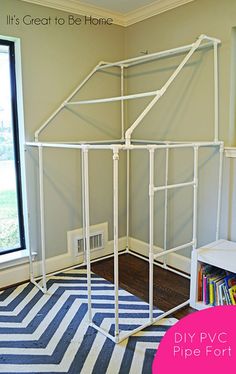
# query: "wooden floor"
[[169, 289]]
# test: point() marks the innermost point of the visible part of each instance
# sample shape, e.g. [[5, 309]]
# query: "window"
[[12, 233]]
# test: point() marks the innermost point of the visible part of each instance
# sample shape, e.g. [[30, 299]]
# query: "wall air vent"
[[98, 239], [96, 242]]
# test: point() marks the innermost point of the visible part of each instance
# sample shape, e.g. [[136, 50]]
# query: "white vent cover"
[[98, 239], [96, 242]]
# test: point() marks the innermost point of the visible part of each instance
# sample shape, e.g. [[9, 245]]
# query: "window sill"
[[230, 152], [13, 259]]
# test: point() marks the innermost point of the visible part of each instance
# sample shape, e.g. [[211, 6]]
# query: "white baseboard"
[[20, 273], [173, 259]]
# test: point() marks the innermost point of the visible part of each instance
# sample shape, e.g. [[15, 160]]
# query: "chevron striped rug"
[[49, 333]]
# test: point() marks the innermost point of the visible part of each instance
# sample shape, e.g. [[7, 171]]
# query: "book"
[[216, 286], [232, 293], [230, 280]]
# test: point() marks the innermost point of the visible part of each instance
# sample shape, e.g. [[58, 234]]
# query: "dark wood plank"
[[169, 289]]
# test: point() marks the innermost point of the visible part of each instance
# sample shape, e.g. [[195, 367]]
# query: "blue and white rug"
[[49, 333]]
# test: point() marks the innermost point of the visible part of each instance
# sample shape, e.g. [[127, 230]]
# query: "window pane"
[[9, 214]]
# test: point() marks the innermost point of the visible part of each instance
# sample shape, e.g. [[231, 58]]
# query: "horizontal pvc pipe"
[[174, 146], [173, 142], [152, 56], [122, 146], [83, 142], [166, 267], [108, 144], [171, 186], [124, 336], [172, 53], [173, 250], [121, 252], [82, 264], [165, 314], [110, 99], [72, 146]]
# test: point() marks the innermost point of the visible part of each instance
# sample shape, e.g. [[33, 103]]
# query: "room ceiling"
[[120, 6], [123, 12]]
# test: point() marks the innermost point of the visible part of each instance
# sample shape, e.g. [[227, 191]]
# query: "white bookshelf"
[[222, 254]]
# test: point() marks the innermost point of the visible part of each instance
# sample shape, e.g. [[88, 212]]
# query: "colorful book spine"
[[216, 286]]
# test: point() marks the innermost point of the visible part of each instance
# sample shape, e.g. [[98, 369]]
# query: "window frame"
[[18, 139]]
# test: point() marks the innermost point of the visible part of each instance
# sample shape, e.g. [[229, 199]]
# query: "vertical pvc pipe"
[[83, 207], [87, 229], [116, 238], [32, 279], [42, 223], [127, 198], [166, 204], [122, 103], [221, 158], [195, 196], [216, 93], [151, 225]]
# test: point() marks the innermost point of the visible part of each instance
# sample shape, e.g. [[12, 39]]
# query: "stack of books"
[[216, 286]]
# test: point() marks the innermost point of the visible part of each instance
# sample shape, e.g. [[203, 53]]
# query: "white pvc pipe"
[[103, 65], [122, 252], [216, 93], [169, 268], [122, 102], [157, 55], [42, 223], [174, 142], [121, 146], [161, 316], [149, 57], [116, 235], [174, 52], [221, 156], [111, 99], [171, 186], [87, 230], [166, 203], [195, 198], [72, 146], [139, 328], [174, 249], [127, 198], [172, 270], [132, 332], [83, 205], [31, 266], [172, 310], [151, 230], [83, 264]]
